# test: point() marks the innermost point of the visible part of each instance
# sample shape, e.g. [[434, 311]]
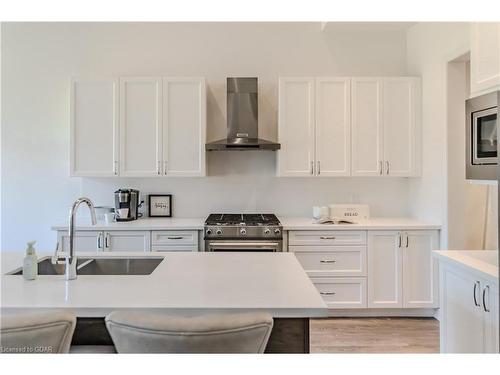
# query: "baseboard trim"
[[354, 313]]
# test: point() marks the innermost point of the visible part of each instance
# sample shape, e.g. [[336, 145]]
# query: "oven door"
[[243, 246], [484, 137]]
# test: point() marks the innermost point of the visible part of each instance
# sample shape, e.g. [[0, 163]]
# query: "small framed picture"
[[160, 205]]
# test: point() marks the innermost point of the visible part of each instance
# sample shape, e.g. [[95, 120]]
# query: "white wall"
[[38, 59], [430, 46]]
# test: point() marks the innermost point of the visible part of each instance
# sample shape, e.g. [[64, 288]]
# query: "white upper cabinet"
[[140, 126], [296, 126], [184, 126], [399, 117], [367, 131], [485, 57], [333, 126], [385, 126], [94, 127]]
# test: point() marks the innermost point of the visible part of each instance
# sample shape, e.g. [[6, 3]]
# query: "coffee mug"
[[122, 213], [109, 217]]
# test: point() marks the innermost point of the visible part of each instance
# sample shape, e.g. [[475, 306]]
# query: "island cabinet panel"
[[94, 127], [469, 312]]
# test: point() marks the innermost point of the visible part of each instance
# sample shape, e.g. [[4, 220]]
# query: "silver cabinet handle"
[[312, 167], [327, 261], [159, 167], [165, 167], [106, 241], [327, 237], [327, 293], [99, 241], [407, 240], [380, 167], [115, 167], [475, 288], [399, 240], [487, 287], [319, 168], [387, 167], [175, 238]]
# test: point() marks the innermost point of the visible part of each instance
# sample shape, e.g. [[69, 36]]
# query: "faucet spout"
[[71, 260]]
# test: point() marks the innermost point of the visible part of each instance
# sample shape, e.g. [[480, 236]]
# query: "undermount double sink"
[[99, 266]]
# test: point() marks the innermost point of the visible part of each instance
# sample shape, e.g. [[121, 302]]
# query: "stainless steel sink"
[[99, 266]]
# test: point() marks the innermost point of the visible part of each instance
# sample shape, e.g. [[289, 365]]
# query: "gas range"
[[243, 232]]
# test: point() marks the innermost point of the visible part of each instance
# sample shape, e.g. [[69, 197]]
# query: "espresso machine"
[[127, 205]]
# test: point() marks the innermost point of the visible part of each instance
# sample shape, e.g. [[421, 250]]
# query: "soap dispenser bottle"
[[30, 263]]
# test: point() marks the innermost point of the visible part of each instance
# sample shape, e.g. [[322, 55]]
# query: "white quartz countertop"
[[304, 223], [289, 223], [183, 283], [484, 263]]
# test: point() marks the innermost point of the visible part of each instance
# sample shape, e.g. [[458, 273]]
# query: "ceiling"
[[366, 26]]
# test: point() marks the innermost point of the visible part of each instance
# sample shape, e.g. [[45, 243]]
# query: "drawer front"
[[332, 260], [342, 293], [175, 237], [174, 248], [329, 237]]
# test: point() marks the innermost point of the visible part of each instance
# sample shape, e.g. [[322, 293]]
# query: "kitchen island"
[[184, 283]]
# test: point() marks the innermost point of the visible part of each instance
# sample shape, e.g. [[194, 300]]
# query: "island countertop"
[[484, 263], [183, 283]]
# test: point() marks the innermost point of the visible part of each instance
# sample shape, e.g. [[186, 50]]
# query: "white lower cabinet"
[[342, 292], [129, 241], [401, 271], [370, 269], [469, 312]]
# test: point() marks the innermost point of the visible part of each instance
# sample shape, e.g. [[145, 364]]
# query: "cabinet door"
[[489, 298], [399, 116], [127, 240], [384, 269], [461, 324], [85, 241], [296, 126], [367, 141], [140, 127], [333, 127], [485, 56], [94, 128], [184, 126], [420, 275]]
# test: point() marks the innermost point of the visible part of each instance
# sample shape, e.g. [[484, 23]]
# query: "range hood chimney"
[[242, 115]]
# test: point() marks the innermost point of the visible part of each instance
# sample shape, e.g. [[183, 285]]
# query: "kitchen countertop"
[[183, 283], [289, 223], [482, 262], [376, 223]]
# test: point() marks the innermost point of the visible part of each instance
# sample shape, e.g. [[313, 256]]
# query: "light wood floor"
[[374, 335]]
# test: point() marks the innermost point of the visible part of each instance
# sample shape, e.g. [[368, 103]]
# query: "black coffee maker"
[[127, 205]]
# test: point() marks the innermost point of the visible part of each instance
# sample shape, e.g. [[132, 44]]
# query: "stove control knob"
[[267, 231], [243, 231], [209, 231], [218, 231], [277, 231]]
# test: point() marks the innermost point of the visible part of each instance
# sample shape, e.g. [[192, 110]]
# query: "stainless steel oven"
[[481, 137], [244, 245]]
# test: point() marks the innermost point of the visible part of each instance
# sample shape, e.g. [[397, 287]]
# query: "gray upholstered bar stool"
[[139, 332], [43, 332]]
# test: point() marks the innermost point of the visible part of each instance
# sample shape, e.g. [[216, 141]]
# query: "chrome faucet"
[[71, 260]]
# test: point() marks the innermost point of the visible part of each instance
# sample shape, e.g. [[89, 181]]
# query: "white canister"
[[320, 212]]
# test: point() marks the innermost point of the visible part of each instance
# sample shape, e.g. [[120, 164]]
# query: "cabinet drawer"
[[332, 260], [340, 293], [175, 237], [330, 237]]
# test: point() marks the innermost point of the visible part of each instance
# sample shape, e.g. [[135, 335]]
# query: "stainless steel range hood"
[[242, 115]]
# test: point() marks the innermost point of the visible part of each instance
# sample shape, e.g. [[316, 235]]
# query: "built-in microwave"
[[481, 137]]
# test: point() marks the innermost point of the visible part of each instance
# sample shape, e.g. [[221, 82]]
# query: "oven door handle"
[[244, 245]]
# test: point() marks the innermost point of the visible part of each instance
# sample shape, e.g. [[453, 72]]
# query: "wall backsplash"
[[38, 60]]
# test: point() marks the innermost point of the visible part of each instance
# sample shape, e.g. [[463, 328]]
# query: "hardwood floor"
[[374, 335]]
